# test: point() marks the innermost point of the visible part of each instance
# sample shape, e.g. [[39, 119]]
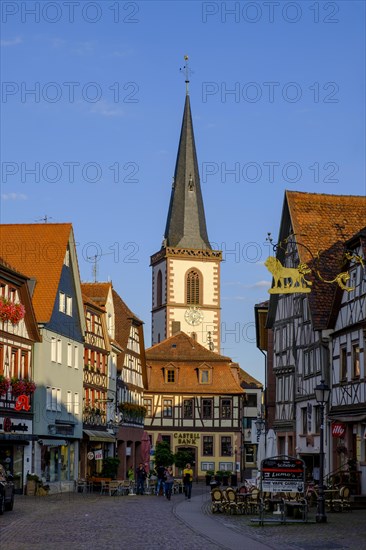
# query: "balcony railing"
[[94, 418]]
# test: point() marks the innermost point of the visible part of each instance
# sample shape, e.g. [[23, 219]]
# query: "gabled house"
[[252, 409], [194, 402], [348, 375], [18, 333], [97, 442], [131, 368], [46, 253], [314, 230]]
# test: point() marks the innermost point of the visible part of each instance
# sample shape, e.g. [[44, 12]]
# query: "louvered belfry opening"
[[193, 288]]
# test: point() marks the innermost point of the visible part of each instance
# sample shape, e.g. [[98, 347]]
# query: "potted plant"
[[208, 476], [32, 484], [4, 384], [225, 477]]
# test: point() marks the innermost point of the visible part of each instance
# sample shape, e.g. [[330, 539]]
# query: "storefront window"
[[57, 462]]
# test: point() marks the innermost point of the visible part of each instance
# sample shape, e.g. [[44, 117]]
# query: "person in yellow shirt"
[[187, 481]]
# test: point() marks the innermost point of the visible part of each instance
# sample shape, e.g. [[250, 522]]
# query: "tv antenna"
[[44, 219]]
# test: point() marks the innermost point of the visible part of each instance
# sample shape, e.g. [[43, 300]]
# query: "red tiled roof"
[[321, 220], [182, 347], [247, 381], [187, 356], [323, 223], [38, 251], [97, 291]]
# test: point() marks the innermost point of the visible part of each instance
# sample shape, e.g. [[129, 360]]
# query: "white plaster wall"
[[209, 270]]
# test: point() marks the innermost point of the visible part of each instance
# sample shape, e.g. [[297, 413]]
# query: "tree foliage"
[[163, 454]]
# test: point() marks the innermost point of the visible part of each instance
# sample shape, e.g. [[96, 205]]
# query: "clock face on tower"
[[193, 316]]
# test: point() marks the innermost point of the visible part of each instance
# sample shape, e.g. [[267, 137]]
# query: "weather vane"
[[187, 71]]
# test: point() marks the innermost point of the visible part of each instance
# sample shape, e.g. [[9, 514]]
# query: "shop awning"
[[96, 435], [347, 417], [52, 442]]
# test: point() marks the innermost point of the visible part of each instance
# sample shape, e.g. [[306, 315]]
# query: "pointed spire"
[[186, 223]]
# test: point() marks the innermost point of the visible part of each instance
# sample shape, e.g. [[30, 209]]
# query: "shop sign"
[[98, 454], [283, 474], [9, 426], [90, 455], [22, 403], [186, 438], [338, 429]]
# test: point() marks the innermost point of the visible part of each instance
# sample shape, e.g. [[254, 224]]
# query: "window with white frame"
[[343, 364], [355, 360], [58, 398], [69, 354], [62, 302], [59, 350], [76, 357], [167, 408], [76, 404], [67, 257], [53, 349], [49, 398], [69, 402], [249, 453], [207, 466], [226, 466], [148, 406], [69, 305]]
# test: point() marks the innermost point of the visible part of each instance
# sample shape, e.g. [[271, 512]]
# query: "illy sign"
[[338, 429]]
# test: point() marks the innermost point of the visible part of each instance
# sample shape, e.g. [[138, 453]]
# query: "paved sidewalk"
[[346, 530], [87, 522]]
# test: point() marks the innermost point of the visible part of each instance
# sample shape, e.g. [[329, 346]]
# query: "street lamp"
[[260, 425], [322, 393]]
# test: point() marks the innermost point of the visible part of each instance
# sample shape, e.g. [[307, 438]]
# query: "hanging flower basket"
[[20, 386], [133, 410], [10, 311], [4, 384]]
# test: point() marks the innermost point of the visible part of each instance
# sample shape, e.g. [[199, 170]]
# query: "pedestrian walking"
[[140, 478], [169, 480], [160, 472], [187, 481]]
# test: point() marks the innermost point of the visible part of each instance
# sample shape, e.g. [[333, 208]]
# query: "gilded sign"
[[186, 438]]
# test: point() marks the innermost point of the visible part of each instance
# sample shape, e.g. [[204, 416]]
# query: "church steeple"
[[186, 223], [186, 271]]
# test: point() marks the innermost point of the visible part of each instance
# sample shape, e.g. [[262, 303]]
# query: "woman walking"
[[169, 481]]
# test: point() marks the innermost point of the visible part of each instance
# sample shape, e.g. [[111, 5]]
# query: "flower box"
[[10, 311]]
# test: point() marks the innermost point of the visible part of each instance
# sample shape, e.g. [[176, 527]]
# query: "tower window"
[[159, 289], [194, 288]]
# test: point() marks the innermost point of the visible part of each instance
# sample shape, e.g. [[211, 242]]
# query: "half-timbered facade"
[[131, 382], [194, 401], [18, 333], [47, 254], [348, 355], [97, 442], [302, 323]]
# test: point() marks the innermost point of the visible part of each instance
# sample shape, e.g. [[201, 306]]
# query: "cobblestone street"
[[73, 521]]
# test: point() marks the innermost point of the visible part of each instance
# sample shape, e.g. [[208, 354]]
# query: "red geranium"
[[10, 311]]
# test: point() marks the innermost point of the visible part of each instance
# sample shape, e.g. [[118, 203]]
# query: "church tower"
[[186, 271]]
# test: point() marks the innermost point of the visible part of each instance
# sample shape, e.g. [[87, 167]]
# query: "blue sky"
[[277, 95]]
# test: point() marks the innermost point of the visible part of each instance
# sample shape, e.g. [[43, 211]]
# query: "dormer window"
[[205, 374], [170, 374]]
